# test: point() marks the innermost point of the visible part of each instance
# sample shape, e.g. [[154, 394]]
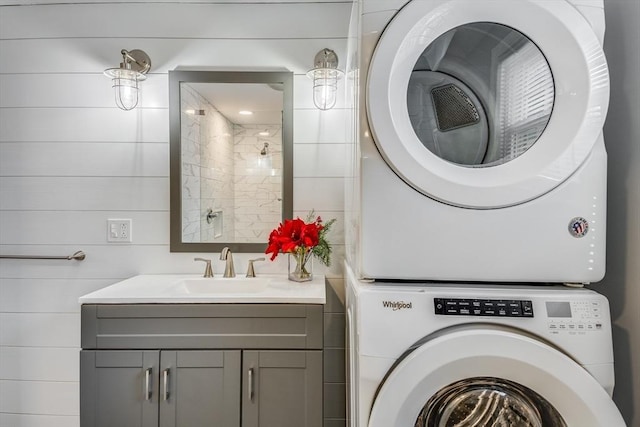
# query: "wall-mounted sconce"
[[135, 64], [325, 75]]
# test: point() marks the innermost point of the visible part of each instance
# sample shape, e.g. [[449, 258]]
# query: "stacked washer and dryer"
[[475, 212]]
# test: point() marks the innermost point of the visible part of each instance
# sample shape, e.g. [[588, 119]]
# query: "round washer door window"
[[483, 105], [480, 95], [483, 375], [488, 402]]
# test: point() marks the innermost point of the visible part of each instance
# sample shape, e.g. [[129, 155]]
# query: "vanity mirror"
[[231, 158]]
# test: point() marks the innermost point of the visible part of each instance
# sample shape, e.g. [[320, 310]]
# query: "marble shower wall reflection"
[[224, 170], [257, 181]]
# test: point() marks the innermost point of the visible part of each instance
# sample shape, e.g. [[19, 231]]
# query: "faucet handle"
[[250, 270], [208, 271]]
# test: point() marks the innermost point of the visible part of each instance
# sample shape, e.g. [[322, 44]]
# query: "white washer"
[[480, 154], [439, 354]]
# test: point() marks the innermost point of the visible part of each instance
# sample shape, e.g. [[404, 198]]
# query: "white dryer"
[[471, 356], [480, 154]]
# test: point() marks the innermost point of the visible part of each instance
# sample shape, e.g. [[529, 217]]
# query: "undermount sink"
[[215, 285]]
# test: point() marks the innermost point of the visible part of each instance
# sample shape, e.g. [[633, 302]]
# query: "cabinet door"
[[282, 388], [119, 388], [200, 388]]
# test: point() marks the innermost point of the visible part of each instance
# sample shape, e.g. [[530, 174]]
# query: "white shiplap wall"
[[69, 159]]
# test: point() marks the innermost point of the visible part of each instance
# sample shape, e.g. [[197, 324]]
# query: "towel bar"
[[78, 256]]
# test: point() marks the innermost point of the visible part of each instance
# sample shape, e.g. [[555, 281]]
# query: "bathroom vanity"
[[208, 358]]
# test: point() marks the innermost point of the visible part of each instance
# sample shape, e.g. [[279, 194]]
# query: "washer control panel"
[[483, 307], [574, 316]]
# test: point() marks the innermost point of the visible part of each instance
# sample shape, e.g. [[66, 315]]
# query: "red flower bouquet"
[[301, 240]]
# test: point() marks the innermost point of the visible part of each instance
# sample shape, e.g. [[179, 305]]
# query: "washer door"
[[491, 377], [483, 104]]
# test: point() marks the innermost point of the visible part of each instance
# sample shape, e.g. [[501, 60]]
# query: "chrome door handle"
[[165, 384], [250, 385], [147, 384]]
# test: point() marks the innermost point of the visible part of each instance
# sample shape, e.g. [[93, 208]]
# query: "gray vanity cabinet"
[[199, 388], [119, 388], [187, 388], [225, 365], [283, 388]]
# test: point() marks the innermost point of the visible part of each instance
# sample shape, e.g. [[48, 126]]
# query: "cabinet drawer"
[[203, 326]]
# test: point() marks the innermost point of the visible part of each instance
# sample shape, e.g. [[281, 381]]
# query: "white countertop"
[[188, 289]]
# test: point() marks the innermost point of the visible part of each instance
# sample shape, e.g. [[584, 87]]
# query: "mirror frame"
[[176, 77]]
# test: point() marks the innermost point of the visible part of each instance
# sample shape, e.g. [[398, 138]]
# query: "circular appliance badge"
[[578, 227]]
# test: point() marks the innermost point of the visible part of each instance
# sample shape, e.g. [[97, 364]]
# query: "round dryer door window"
[[480, 95], [485, 105]]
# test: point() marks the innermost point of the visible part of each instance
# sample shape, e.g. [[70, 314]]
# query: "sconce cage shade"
[[135, 64], [125, 87], [325, 76]]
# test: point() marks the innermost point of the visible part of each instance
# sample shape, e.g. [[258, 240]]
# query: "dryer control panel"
[[483, 307]]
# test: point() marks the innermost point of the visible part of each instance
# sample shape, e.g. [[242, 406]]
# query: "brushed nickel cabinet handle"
[[250, 385], [165, 384], [147, 384]]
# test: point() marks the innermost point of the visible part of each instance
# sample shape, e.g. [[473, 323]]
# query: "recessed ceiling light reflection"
[[245, 112]]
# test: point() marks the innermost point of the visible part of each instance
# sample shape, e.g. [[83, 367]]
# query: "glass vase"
[[300, 266]]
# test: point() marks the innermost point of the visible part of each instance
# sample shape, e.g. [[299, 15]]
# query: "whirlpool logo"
[[397, 305]]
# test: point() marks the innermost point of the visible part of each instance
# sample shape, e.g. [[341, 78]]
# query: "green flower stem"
[[302, 256]]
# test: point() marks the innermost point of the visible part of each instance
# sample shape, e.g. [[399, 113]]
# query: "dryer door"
[[487, 104], [491, 377]]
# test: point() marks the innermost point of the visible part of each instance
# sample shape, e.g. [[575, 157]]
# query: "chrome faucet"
[[226, 255], [208, 271]]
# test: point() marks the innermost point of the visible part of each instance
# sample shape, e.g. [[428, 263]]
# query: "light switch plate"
[[119, 230]]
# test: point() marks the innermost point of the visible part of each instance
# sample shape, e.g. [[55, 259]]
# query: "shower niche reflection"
[[229, 159]]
